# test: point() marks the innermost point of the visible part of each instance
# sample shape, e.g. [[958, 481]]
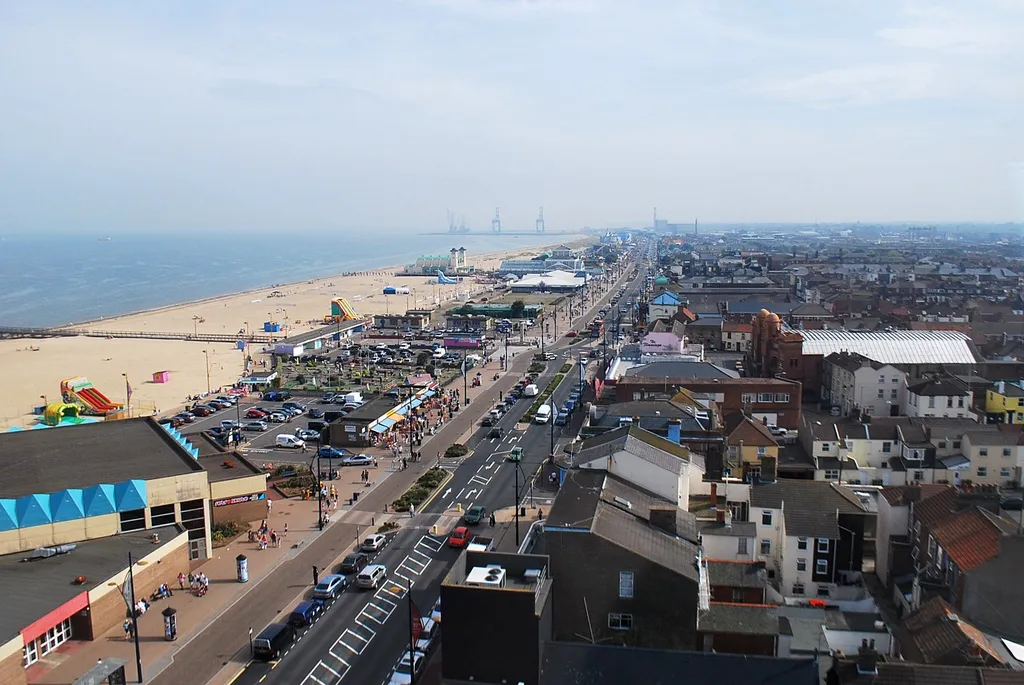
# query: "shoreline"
[[505, 254]]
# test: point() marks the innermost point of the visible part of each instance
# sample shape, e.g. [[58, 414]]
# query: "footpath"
[[213, 631]]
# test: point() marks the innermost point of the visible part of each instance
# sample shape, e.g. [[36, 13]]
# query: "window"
[[931, 402], [831, 474], [133, 520], [895, 379], [823, 545], [983, 452], [942, 444], [754, 473], [801, 543], [1006, 451], [737, 596], [162, 515], [765, 397], [741, 547], [931, 545], [956, 444], [798, 589], [766, 547], [625, 585], [766, 517], [748, 398], [762, 451], [949, 402], [894, 394], [982, 471], [919, 475], [29, 654], [620, 621], [55, 637], [960, 402], [887, 447], [801, 564], [1004, 472], [823, 591], [881, 379], [826, 446], [881, 393], [782, 397], [821, 566]]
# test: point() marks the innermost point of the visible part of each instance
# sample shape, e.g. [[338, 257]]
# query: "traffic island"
[[422, 491]]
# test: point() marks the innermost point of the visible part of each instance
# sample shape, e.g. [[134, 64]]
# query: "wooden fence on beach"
[[11, 332]]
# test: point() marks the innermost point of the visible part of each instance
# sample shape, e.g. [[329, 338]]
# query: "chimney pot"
[[714, 495]]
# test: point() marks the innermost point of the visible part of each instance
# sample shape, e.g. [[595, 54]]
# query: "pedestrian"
[[270, 506], [127, 629], [492, 521], [181, 580], [405, 465], [273, 538]]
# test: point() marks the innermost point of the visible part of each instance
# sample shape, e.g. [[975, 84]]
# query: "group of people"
[[265, 536]]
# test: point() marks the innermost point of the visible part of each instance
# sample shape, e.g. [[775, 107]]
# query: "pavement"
[[213, 637]]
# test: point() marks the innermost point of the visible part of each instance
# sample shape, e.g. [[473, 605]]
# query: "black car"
[[314, 413], [496, 432], [488, 421], [353, 563]]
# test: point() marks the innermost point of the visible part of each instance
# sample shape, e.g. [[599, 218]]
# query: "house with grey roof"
[[646, 460], [810, 534], [625, 562]]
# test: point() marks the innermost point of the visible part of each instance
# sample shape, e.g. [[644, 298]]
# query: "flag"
[[127, 591], [128, 387], [417, 621]]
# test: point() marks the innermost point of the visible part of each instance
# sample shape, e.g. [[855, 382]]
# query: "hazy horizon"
[[343, 117]]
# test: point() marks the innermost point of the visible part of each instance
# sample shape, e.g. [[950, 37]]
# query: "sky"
[[383, 115]]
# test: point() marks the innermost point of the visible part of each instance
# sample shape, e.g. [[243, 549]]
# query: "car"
[[327, 398], [357, 460], [496, 432], [373, 543], [255, 414], [277, 396], [307, 435], [488, 421], [328, 452], [230, 399], [1012, 503], [221, 404], [218, 431], [254, 426], [408, 667], [562, 418], [185, 419], [475, 514], [435, 612], [371, 577], [277, 417], [459, 537], [290, 442], [305, 614], [353, 563], [330, 586], [293, 407], [315, 413], [548, 357], [229, 425], [172, 421], [202, 410]]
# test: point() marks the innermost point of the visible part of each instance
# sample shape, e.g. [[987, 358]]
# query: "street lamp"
[[195, 325], [206, 353], [127, 394]]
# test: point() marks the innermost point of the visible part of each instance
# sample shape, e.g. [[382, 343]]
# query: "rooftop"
[[640, 442], [740, 619], [32, 589], [806, 504], [372, 410], [727, 573], [583, 664], [895, 347], [77, 457], [678, 370], [934, 634]]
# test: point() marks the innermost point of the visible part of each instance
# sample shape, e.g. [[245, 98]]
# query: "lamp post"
[[127, 394], [465, 378], [195, 326], [206, 353]]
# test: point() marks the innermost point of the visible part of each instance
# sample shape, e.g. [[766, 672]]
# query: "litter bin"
[[242, 568], [170, 624]]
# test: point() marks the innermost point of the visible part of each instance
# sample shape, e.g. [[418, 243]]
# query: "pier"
[[12, 332]]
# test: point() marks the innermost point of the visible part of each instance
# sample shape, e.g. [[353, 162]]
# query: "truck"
[[479, 543]]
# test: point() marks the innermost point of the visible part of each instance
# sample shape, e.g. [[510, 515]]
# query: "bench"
[[288, 473]]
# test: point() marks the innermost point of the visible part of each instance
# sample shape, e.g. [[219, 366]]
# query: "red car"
[[459, 537], [255, 414]]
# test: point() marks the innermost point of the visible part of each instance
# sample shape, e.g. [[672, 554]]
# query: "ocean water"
[[49, 280]]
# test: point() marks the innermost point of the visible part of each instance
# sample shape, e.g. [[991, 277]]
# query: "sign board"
[[241, 499]]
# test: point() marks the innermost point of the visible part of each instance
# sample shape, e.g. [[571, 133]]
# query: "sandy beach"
[[34, 368]]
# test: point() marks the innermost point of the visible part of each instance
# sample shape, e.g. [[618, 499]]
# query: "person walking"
[[127, 625], [181, 581]]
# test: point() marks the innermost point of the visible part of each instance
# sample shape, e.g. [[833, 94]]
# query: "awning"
[[402, 411], [378, 428], [387, 422], [415, 403], [429, 393]]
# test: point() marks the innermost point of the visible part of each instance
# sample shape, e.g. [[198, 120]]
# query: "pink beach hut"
[[161, 376]]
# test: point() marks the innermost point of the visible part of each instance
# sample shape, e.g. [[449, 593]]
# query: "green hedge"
[[420, 490], [455, 451], [565, 368], [544, 397]]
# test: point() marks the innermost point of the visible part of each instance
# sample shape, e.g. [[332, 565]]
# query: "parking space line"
[[417, 562], [346, 646], [404, 577], [382, 609], [371, 631], [374, 618], [396, 595], [349, 632], [386, 601], [422, 554]]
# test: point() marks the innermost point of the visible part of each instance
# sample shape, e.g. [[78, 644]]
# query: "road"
[[359, 640]]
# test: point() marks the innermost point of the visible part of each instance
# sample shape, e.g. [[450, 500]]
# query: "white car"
[[277, 417], [406, 667], [373, 543], [289, 441]]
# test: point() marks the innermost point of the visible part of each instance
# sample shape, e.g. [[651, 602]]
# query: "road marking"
[[346, 646], [489, 465], [496, 469], [382, 609], [351, 633], [391, 592], [471, 495], [460, 493], [386, 601], [480, 480], [371, 631], [422, 554], [446, 493]]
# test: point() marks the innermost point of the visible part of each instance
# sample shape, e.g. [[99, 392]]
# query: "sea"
[[51, 280]]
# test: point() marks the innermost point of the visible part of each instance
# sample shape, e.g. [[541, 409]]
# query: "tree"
[[518, 309], [611, 258], [423, 358]]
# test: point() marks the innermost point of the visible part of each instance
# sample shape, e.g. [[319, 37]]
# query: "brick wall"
[[240, 513], [11, 670], [110, 610]]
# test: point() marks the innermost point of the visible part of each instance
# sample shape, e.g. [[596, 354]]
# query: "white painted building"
[[939, 397], [853, 382]]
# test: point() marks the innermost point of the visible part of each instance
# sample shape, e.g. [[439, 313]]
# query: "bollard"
[[433, 530], [458, 507]]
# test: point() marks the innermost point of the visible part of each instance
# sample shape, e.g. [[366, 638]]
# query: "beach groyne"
[[13, 332]]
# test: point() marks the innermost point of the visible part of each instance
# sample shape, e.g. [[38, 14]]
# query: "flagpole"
[[128, 394], [135, 618]]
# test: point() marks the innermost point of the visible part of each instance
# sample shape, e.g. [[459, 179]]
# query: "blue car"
[[328, 452]]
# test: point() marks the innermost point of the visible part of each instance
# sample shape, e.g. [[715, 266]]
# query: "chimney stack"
[[867, 658], [714, 495], [675, 431]]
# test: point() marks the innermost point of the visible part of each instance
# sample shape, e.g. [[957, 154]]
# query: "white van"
[[530, 391], [290, 441], [439, 353], [543, 414]]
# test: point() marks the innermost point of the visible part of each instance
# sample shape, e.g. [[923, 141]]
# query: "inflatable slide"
[[79, 390], [446, 280], [341, 310]]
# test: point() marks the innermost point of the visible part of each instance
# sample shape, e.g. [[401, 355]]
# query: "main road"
[[359, 639]]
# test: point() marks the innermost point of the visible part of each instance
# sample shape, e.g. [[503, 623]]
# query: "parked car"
[[307, 435], [255, 414], [185, 419], [277, 396], [255, 426], [372, 576], [230, 399], [272, 640], [328, 452], [407, 667], [293, 407], [228, 424], [327, 398], [202, 410], [496, 432], [330, 586], [278, 417], [488, 421], [305, 613], [172, 421], [315, 413], [353, 563], [373, 543], [475, 514], [289, 441], [357, 460]]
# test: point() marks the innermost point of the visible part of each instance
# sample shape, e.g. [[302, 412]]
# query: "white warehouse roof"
[[894, 347]]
